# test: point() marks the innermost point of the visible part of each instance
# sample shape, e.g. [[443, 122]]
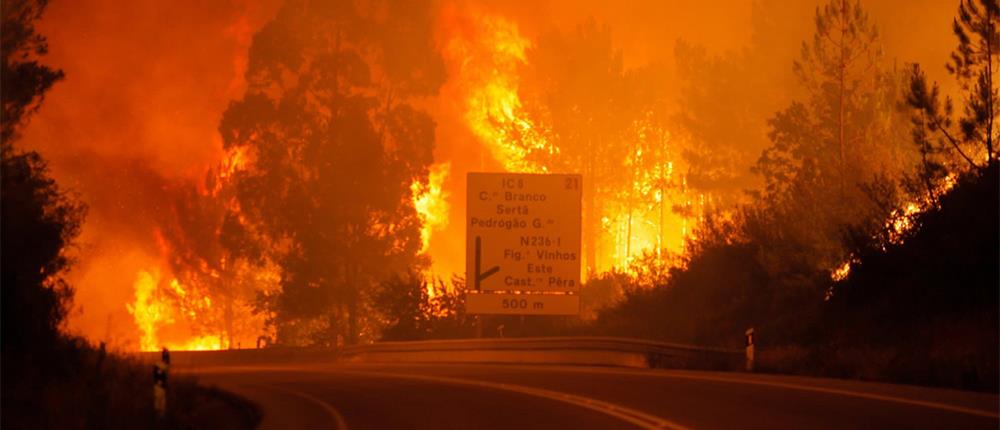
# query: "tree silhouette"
[[576, 87], [827, 147], [24, 80], [334, 144], [945, 143], [39, 223], [39, 220]]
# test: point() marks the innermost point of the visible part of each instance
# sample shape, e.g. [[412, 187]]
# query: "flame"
[[198, 343], [486, 68], [148, 311], [173, 314], [644, 219], [152, 311], [485, 55], [235, 160], [901, 221], [840, 273], [431, 203]]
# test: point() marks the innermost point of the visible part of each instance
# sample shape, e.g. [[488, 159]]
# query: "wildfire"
[[236, 159], [152, 311], [643, 219], [486, 55], [148, 312], [841, 272], [901, 221], [487, 63], [431, 202]]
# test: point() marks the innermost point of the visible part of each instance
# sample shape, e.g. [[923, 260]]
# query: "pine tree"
[[945, 143]]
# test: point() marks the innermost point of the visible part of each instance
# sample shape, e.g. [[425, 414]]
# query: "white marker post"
[[749, 335], [161, 370]]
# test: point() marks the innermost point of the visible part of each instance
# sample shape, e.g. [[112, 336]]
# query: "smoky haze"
[[134, 127]]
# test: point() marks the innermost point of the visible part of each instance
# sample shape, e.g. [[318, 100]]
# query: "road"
[[497, 396]]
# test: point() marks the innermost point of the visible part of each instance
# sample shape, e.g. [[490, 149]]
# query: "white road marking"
[[842, 392], [341, 425], [747, 381], [632, 416], [678, 375]]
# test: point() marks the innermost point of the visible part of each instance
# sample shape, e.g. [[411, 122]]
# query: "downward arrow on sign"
[[480, 276]]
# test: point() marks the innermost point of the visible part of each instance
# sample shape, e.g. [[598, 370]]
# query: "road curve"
[[484, 396]]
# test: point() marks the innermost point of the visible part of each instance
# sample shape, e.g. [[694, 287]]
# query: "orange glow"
[[487, 62], [149, 313], [152, 311], [135, 125], [431, 203], [486, 58], [900, 222]]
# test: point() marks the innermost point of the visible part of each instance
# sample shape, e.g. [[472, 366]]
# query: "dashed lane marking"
[[786, 385], [330, 410]]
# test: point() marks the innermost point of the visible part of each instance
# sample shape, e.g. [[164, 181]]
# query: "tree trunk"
[[227, 317], [590, 213], [628, 229], [989, 83], [352, 305], [663, 198], [841, 89]]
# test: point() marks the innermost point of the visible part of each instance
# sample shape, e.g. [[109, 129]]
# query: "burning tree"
[[721, 118], [943, 146], [575, 84], [825, 149], [333, 146]]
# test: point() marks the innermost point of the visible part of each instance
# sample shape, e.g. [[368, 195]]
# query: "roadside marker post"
[[749, 336], [161, 370]]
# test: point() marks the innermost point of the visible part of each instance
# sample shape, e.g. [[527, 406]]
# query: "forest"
[[844, 204]]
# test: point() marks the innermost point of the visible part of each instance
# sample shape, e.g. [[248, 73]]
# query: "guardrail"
[[610, 351], [601, 351]]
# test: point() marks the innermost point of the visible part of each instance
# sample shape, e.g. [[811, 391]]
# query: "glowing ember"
[[900, 222], [841, 272]]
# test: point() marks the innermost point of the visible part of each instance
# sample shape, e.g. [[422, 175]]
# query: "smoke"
[[646, 33], [134, 124]]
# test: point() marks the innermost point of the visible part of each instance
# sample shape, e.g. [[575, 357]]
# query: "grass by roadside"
[[75, 386]]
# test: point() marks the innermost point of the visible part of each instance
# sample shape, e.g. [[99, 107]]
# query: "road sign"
[[523, 304], [523, 235], [523, 232]]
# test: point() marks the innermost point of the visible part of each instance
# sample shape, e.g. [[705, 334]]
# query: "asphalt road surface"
[[484, 396]]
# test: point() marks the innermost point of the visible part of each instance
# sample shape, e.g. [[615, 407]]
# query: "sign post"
[[523, 243]]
